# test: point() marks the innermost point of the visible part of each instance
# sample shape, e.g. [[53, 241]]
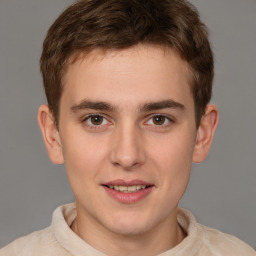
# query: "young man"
[[128, 85]]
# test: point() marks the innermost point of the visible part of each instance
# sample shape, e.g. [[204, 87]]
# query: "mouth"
[[128, 189], [128, 192]]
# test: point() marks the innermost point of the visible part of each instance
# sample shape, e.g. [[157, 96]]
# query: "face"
[[127, 133]]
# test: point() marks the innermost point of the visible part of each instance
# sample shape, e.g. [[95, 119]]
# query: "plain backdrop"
[[222, 190]]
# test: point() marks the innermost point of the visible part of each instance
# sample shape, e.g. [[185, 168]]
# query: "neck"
[[164, 237]]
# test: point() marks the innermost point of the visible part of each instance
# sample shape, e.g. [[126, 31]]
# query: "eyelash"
[[166, 119], [91, 125], [100, 126]]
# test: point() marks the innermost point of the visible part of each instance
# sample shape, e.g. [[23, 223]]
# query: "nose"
[[127, 148]]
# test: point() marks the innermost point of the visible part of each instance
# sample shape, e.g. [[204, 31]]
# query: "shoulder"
[[38, 243], [220, 243]]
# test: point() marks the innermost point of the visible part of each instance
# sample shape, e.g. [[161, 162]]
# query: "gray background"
[[222, 191]]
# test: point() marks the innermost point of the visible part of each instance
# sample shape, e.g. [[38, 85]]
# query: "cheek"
[[83, 155], [173, 149], [172, 157], [83, 160]]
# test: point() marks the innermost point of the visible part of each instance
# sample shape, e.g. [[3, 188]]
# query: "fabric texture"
[[60, 240]]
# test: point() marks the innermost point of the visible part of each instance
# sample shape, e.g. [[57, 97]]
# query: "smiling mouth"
[[128, 189]]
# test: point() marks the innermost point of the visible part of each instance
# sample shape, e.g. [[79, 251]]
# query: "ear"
[[205, 133], [50, 134]]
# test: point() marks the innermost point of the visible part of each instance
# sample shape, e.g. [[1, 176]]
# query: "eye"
[[96, 120], [159, 120]]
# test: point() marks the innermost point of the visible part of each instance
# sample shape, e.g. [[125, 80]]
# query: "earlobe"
[[205, 133], [50, 134]]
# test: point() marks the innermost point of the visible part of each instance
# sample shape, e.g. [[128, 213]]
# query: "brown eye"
[[159, 120], [96, 120]]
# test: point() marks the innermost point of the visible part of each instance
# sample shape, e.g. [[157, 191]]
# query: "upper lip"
[[120, 182]]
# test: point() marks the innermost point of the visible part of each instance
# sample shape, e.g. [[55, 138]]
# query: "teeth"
[[132, 188], [122, 188], [128, 189]]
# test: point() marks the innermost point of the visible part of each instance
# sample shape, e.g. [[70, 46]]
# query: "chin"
[[130, 225], [131, 230]]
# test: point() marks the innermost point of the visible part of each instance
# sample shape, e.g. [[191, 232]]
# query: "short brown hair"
[[119, 24]]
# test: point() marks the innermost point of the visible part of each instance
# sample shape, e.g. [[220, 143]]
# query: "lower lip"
[[128, 198]]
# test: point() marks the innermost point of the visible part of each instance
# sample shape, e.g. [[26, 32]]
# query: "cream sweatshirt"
[[60, 240]]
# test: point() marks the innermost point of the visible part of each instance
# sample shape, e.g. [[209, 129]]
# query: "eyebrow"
[[97, 105], [151, 106], [162, 105]]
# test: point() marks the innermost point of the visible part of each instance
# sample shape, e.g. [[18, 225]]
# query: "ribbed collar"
[[64, 215]]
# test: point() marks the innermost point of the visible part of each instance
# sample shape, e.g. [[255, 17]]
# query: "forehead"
[[143, 72]]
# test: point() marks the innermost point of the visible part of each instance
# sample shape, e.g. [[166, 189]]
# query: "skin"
[[130, 138]]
